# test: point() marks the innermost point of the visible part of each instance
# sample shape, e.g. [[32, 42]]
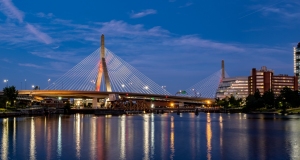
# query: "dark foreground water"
[[151, 136]]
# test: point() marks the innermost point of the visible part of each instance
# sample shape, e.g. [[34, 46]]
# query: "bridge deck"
[[96, 94]]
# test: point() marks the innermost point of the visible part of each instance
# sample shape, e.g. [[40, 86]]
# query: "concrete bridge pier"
[[95, 102]]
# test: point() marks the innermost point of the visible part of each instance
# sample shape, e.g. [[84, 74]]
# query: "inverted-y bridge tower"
[[103, 70]]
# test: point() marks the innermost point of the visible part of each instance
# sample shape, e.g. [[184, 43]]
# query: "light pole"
[[164, 88], [194, 92], [32, 87], [49, 81], [6, 81], [25, 84]]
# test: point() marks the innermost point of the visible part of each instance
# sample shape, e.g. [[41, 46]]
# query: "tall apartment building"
[[236, 86], [297, 61], [264, 79]]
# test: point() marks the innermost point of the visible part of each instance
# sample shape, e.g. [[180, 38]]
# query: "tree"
[[269, 98], [250, 102], [259, 102], [289, 98], [11, 94]]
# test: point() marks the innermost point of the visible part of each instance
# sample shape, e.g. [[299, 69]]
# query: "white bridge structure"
[[102, 74]]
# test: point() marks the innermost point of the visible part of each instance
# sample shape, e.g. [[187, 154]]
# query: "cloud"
[[143, 13], [43, 15], [286, 11], [186, 5], [71, 53], [283, 13], [40, 35], [7, 7], [11, 11], [30, 65], [195, 41], [6, 60], [124, 29]]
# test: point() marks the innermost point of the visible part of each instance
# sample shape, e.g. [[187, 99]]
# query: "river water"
[[151, 136]]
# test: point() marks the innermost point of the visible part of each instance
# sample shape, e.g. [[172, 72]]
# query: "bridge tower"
[[223, 69], [102, 71]]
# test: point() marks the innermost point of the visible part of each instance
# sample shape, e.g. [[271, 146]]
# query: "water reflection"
[[152, 136], [122, 138], [208, 136], [77, 135], [32, 147], [294, 141], [164, 136], [14, 136], [192, 135], [146, 137], [221, 133], [163, 140], [48, 133], [5, 143], [93, 136], [172, 139], [59, 137]]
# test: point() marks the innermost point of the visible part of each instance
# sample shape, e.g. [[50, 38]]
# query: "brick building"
[[264, 79]]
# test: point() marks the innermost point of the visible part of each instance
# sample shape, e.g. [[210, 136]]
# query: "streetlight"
[[6, 81], [194, 92], [164, 88], [32, 87], [49, 81], [25, 84]]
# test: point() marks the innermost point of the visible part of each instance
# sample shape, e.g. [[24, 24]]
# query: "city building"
[[264, 80], [236, 86], [297, 61], [282, 80]]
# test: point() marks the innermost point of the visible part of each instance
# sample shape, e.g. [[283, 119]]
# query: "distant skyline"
[[174, 43]]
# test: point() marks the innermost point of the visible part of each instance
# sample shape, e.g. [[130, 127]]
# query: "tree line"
[[9, 97], [286, 99]]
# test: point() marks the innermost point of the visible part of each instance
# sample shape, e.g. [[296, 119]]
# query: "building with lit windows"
[[236, 86], [280, 81], [264, 80], [297, 61]]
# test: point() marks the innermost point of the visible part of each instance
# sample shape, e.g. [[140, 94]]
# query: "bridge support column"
[[95, 103]]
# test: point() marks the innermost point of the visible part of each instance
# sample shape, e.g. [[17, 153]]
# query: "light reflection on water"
[[5, 143], [32, 142], [146, 137], [77, 135], [208, 136], [172, 139], [151, 136], [123, 138], [59, 137]]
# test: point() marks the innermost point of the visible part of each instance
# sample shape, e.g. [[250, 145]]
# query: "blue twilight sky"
[[176, 43]]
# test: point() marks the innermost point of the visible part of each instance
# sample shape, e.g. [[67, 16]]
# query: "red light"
[[126, 94], [166, 96]]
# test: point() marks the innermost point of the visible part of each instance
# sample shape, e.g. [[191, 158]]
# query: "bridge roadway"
[[41, 94]]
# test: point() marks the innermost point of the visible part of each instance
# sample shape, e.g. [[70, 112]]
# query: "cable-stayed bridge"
[[104, 75], [206, 87]]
